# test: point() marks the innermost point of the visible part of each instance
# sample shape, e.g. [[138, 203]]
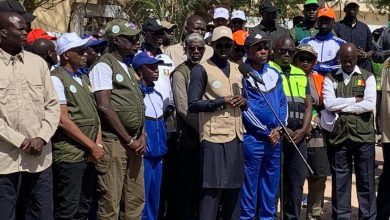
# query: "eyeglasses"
[[305, 57], [192, 49], [284, 51], [78, 51], [223, 46]]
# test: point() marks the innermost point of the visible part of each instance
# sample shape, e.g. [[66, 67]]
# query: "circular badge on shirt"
[[216, 84], [73, 89], [119, 77]]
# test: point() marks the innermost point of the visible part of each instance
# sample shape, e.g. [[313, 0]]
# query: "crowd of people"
[[124, 124]]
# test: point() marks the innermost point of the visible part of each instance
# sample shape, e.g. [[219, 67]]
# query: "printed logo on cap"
[[115, 29]]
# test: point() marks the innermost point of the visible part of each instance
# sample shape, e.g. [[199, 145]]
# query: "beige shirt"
[[28, 109], [176, 53], [385, 102]]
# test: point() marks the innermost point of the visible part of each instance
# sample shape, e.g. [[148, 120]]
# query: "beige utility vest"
[[223, 125]]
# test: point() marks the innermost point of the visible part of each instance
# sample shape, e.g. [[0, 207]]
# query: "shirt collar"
[[356, 70], [146, 89], [325, 37], [8, 58]]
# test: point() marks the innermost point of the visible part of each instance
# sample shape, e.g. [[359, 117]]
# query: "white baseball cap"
[[221, 13], [238, 14], [68, 41]]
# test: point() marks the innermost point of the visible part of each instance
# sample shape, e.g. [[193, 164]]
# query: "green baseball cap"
[[309, 2], [119, 27]]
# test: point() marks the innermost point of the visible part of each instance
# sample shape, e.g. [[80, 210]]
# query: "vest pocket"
[[222, 124], [364, 124]]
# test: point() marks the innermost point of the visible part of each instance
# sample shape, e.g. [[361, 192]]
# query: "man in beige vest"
[[214, 93]]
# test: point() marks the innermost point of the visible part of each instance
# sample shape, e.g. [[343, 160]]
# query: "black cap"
[[268, 6], [17, 7], [152, 24], [254, 39]]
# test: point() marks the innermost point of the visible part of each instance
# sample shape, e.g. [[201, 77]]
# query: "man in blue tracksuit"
[[156, 141], [261, 141]]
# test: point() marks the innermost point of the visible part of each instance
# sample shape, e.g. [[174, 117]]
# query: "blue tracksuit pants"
[[262, 172], [153, 176]]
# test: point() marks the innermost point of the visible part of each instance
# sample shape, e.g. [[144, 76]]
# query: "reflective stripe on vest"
[[295, 89]]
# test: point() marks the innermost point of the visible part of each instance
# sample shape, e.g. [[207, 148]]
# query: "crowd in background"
[[226, 124]]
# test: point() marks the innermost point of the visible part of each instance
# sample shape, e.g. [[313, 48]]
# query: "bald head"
[[8, 18], [13, 32], [41, 47], [282, 41], [45, 49], [196, 24], [347, 48], [284, 49], [348, 57]]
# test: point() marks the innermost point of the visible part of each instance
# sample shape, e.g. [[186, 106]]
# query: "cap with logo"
[[221, 13], [239, 37], [168, 25], [255, 39], [152, 24], [221, 32], [68, 41], [327, 12], [268, 6], [348, 2], [119, 27], [238, 14], [143, 58], [38, 33], [311, 2], [306, 48]]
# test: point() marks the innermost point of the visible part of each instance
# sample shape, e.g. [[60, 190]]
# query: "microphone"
[[236, 89], [245, 70]]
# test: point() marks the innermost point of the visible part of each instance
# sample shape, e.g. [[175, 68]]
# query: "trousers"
[[362, 156], [262, 173]]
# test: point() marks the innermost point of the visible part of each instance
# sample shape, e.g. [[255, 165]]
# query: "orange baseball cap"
[[327, 12], [38, 33], [239, 37]]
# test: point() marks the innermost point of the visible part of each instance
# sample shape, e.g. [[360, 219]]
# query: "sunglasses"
[[157, 33], [200, 49], [223, 46], [78, 51], [305, 57], [131, 39], [284, 51], [260, 48]]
